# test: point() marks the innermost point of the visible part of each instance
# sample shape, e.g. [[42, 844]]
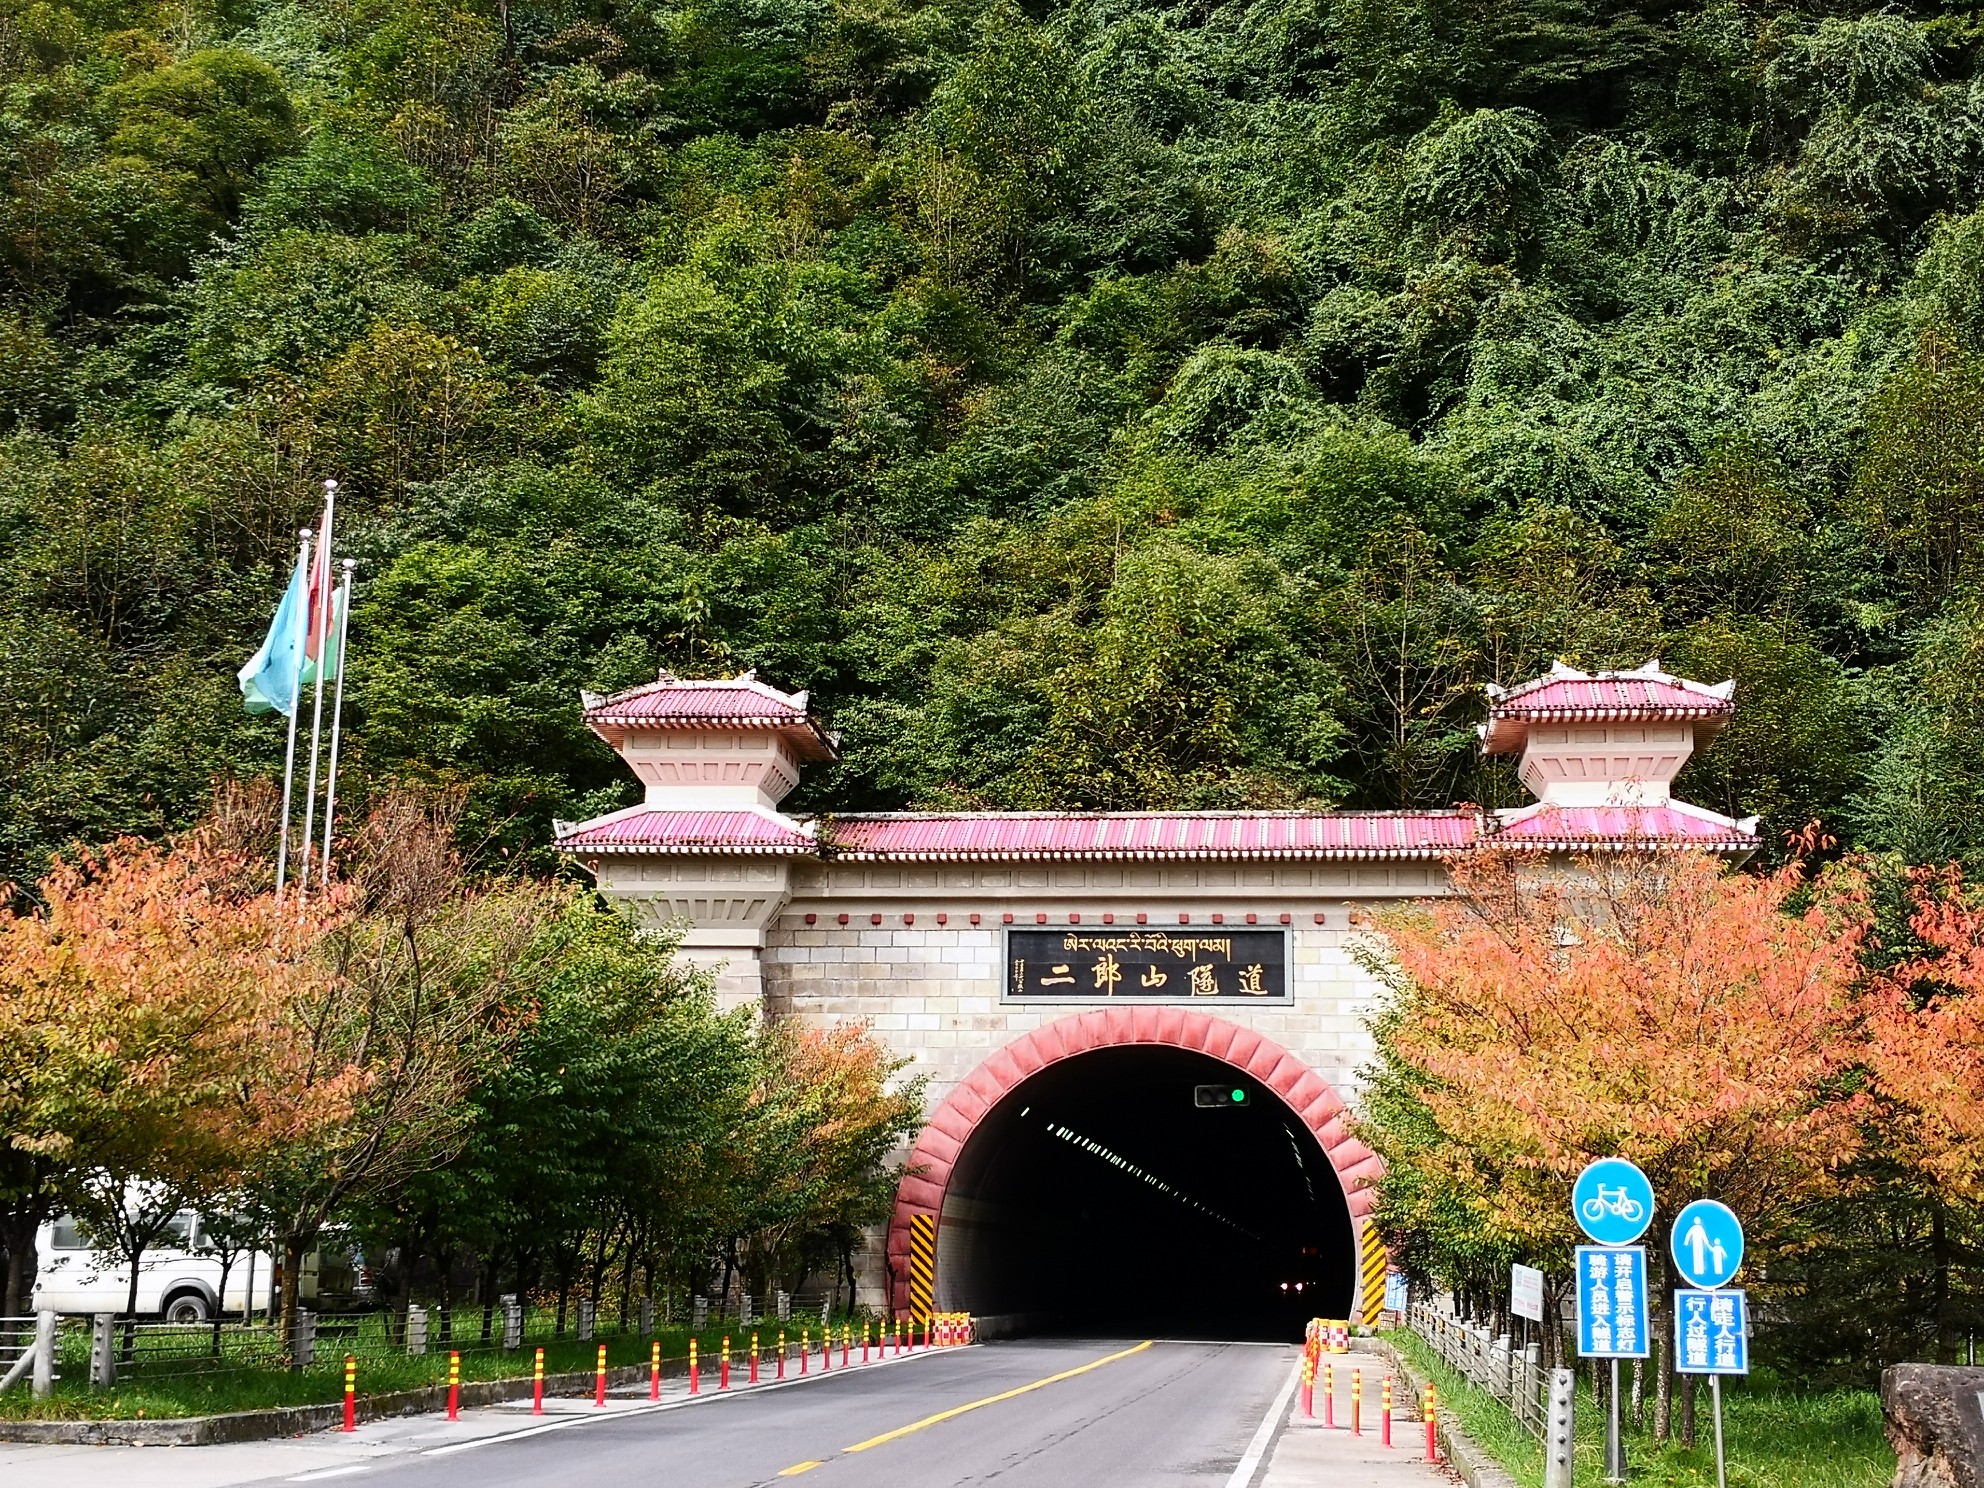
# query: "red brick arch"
[[1305, 1093]]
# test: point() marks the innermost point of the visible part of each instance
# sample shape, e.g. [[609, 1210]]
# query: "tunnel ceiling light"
[[1115, 1159]]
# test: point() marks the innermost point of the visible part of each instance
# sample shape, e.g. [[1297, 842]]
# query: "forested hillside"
[[1110, 405]]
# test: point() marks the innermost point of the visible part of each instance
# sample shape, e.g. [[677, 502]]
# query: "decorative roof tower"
[[1600, 750]]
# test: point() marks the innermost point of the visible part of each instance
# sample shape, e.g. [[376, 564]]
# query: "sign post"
[[1526, 1292], [1612, 1202], [1711, 1318]]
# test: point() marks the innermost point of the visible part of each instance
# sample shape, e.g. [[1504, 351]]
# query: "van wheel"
[[187, 1307]]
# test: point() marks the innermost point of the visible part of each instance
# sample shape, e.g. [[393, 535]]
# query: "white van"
[[178, 1279]]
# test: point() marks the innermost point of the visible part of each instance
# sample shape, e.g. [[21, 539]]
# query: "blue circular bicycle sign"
[[1613, 1201]]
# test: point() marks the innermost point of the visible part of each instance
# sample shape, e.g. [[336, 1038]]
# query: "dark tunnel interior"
[[1100, 1197]]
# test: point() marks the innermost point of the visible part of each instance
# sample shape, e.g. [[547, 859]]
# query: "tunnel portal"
[[1100, 1195]]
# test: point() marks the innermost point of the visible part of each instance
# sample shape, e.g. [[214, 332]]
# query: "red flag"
[[321, 583]]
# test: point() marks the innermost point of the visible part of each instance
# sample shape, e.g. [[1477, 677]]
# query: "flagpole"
[[317, 709], [337, 719], [289, 758]]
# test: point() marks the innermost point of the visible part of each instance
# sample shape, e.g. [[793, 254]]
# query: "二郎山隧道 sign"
[[1080, 962]]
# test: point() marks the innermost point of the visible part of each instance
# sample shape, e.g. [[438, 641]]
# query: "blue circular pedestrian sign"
[[1708, 1244], [1613, 1201]]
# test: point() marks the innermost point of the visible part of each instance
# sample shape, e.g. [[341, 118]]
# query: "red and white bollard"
[[805, 1347], [654, 1369], [695, 1376], [537, 1384], [454, 1386], [1432, 1424], [1385, 1420], [350, 1393], [723, 1367], [1356, 1402], [1329, 1395], [864, 1340], [781, 1354], [826, 1346], [754, 1356]]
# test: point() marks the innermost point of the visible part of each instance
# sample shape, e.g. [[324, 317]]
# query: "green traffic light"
[[1239, 1097]]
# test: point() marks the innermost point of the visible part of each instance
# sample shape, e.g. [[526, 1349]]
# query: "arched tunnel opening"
[[1102, 1195]]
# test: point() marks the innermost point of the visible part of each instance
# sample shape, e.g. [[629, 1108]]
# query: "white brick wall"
[[932, 992]]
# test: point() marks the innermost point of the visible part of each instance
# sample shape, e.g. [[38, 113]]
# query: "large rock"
[[1936, 1422]]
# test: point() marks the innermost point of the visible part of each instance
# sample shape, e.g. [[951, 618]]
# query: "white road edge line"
[[706, 1397], [1243, 1473], [332, 1472]]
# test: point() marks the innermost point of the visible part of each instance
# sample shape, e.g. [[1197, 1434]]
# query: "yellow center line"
[[958, 1410], [796, 1469]]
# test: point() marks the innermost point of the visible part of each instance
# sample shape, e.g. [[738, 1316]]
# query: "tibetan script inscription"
[[1079, 962]]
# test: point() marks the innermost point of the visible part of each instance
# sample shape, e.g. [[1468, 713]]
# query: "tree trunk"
[[136, 1255], [18, 1235], [1663, 1383], [1688, 1411], [292, 1265], [1939, 1241], [486, 1274], [220, 1297]]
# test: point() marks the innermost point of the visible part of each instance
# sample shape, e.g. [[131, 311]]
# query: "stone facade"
[[900, 920], [934, 991]]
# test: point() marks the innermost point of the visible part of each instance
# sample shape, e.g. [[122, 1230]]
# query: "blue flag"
[[268, 681]]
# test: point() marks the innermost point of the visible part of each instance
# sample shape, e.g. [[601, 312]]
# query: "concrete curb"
[[1476, 1468], [299, 1420]]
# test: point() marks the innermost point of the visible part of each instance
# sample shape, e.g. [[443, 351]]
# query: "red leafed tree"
[[1926, 1051], [129, 1006], [1927, 1044], [1650, 1006]]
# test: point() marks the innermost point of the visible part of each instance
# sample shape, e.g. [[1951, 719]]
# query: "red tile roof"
[[1157, 835], [1152, 834], [645, 829], [740, 702], [1569, 828], [1566, 695]]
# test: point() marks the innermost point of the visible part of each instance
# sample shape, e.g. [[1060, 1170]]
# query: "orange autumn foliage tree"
[[1926, 1044], [129, 1006], [1649, 1006]]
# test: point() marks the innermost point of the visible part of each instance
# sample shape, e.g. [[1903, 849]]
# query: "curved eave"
[[1595, 715], [1291, 855], [814, 743], [678, 849], [1625, 844]]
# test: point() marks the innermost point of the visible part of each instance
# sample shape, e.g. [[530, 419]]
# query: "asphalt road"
[[1040, 1413]]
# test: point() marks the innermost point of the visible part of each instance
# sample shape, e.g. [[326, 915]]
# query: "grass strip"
[[1776, 1436], [138, 1396]]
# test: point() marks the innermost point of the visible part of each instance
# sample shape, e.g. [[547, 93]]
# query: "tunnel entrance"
[[1100, 1194]]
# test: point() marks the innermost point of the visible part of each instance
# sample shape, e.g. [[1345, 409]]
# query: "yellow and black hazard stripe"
[[922, 1265], [1370, 1275]]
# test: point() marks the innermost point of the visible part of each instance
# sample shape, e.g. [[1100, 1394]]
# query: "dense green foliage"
[[1112, 405]]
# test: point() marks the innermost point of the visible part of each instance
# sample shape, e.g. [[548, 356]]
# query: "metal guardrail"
[[1495, 1365], [106, 1348]]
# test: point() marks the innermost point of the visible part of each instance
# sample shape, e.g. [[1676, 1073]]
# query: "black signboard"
[[1077, 961]]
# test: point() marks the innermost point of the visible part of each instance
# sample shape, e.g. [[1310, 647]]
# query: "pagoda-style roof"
[[740, 702], [1605, 792], [1566, 695], [648, 829], [914, 836], [1671, 824]]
